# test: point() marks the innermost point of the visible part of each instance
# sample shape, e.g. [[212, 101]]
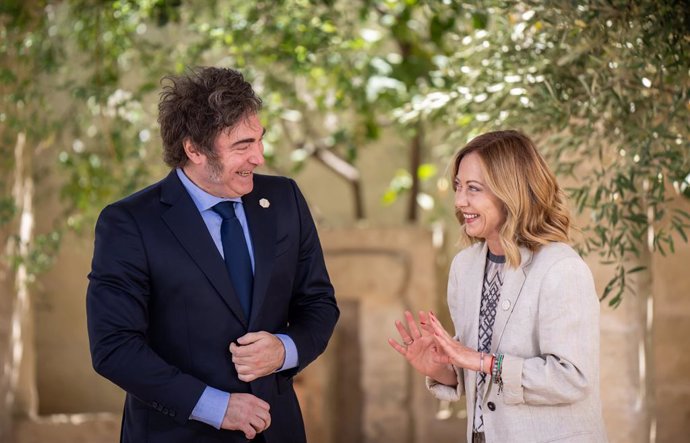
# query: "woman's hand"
[[456, 353], [420, 349]]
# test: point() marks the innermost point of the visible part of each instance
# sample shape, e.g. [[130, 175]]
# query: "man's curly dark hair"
[[199, 106]]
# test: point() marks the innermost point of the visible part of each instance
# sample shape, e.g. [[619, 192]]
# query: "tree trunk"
[[19, 377], [416, 146]]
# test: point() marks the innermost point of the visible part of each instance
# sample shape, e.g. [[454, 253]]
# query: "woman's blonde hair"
[[535, 208]]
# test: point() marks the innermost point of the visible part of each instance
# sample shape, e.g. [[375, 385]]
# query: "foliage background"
[[602, 85]]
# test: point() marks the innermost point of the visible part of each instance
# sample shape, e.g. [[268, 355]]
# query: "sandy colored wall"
[[671, 341]]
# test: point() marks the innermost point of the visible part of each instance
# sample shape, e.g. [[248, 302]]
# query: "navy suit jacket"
[[162, 311]]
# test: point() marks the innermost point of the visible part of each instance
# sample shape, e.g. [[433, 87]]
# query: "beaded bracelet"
[[481, 362], [497, 368], [496, 371]]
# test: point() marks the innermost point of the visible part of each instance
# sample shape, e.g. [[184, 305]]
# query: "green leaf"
[[480, 20], [679, 229]]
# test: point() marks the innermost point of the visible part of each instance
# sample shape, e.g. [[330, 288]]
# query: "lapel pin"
[[264, 203]]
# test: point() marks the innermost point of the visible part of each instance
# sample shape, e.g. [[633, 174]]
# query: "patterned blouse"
[[491, 293]]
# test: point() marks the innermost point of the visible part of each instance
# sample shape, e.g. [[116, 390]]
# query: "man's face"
[[229, 172]]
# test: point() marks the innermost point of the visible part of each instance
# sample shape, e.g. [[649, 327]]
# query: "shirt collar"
[[202, 199]]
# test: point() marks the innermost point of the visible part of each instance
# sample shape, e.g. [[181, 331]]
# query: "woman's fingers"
[[442, 358], [424, 321], [398, 347], [437, 326], [447, 344], [406, 338], [449, 349], [412, 325]]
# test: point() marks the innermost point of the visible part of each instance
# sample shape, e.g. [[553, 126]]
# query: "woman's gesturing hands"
[[421, 350], [454, 351]]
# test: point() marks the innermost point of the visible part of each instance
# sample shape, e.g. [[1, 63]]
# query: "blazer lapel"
[[262, 227], [472, 288], [184, 220], [514, 278]]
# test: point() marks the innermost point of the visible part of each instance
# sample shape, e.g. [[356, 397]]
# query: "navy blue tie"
[[236, 254]]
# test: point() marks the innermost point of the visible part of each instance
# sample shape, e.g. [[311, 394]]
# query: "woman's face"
[[481, 210]]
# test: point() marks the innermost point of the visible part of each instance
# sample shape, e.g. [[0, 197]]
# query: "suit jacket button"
[[491, 406]]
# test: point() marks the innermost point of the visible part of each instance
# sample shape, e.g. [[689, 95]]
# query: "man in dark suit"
[[208, 290]]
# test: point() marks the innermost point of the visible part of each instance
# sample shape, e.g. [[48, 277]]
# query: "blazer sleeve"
[[568, 337], [445, 392], [313, 309], [117, 305]]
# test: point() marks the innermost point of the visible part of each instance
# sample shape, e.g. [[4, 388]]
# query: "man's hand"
[[248, 414], [258, 354]]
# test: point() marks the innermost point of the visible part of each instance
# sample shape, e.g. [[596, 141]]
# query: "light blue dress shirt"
[[213, 403]]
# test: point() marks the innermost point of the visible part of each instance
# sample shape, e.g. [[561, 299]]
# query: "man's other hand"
[[248, 414], [257, 354]]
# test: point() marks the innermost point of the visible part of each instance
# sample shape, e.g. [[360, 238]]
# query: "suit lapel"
[[262, 227], [184, 220], [514, 278]]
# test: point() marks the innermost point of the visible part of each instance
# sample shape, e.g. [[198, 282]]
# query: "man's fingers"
[[261, 404], [245, 344], [247, 377], [239, 351], [244, 360], [249, 431], [261, 419], [267, 420], [250, 337], [242, 350], [243, 369], [257, 354], [247, 413], [245, 373], [258, 423]]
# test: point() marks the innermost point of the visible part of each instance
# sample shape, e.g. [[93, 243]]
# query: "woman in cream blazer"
[[541, 381]]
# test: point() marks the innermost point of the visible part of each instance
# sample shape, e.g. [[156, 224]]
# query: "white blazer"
[[547, 326]]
